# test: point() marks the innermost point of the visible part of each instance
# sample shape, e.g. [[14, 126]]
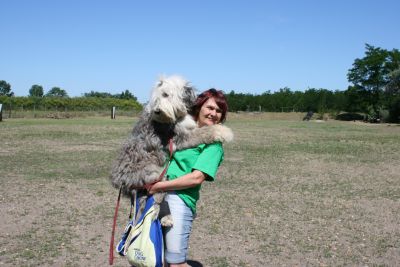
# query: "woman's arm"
[[186, 181]]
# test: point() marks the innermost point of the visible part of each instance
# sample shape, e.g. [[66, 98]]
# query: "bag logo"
[[139, 255]]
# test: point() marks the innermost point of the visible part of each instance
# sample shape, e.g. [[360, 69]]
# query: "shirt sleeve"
[[209, 160]]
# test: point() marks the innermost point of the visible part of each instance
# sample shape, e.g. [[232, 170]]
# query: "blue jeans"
[[177, 236]]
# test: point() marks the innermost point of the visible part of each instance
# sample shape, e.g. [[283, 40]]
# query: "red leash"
[[111, 254]]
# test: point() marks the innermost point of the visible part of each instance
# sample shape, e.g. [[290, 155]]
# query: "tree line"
[[374, 92], [58, 99], [38, 92], [68, 104]]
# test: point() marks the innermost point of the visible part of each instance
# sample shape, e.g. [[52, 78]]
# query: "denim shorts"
[[177, 236]]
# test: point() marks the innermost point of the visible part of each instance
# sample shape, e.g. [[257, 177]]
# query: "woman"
[[188, 169]]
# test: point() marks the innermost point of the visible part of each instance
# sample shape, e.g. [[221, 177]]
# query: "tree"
[[339, 101], [392, 92], [36, 91], [370, 74], [356, 99], [393, 86], [5, 89], [57, 92], [98, 94], [126, 95], [311, 100]]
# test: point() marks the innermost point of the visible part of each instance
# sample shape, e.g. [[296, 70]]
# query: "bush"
[[384, 115], [348, 116], [394, 110]]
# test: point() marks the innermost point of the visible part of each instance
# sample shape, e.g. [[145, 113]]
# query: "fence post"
[[113, 113], [1, 112]]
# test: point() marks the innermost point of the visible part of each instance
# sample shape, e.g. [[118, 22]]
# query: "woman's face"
[[209, 114]]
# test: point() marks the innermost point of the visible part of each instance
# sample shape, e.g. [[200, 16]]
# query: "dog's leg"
[[165, 214], [205, 135], [158, 198], [142, 199], [161, 210]]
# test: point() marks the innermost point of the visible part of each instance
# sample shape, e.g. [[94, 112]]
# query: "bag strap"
[[111, 254]]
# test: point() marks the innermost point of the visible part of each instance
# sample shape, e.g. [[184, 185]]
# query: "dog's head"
[[171, 99]]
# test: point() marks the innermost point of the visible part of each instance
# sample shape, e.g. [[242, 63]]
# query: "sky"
[[249, 46]]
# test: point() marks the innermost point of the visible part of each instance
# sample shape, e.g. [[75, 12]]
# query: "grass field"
[[289, 193]]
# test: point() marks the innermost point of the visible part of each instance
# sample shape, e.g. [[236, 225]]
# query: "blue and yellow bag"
[[142, 243]]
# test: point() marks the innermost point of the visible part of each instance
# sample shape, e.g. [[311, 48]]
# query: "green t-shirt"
[[205, 158]]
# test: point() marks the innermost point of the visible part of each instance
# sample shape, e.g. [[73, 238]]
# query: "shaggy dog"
[[143, 155]]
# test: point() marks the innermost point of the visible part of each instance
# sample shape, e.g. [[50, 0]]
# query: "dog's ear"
[[189, 96], [161, 80], [159, 83]]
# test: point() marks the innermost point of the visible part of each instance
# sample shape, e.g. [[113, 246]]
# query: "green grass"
[[288, 193]]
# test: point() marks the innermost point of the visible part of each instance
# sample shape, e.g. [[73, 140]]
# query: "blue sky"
[[249, 46]]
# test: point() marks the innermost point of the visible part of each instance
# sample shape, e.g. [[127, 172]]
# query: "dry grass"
[[289, 193]]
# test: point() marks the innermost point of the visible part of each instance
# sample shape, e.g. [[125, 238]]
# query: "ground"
[[289, 193]]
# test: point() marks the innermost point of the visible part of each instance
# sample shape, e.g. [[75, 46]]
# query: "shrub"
[[348, 116]]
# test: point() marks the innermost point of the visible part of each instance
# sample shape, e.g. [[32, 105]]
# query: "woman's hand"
[[189, 180], [154, 188]]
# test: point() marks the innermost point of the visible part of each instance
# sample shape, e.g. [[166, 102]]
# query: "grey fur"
[[143, 154]]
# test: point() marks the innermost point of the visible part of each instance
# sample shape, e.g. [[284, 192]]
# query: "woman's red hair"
[[202, 98]]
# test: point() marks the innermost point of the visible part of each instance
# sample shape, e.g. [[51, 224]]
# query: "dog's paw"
[[186, 124], [167, 221], [155, 212], [222, 133]]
